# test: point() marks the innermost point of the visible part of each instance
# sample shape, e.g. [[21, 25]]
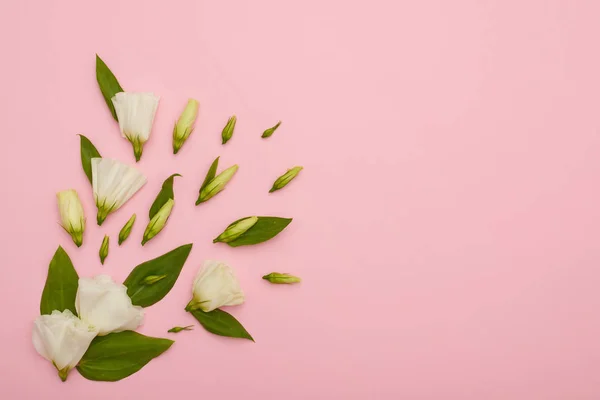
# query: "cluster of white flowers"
[[103, 307]]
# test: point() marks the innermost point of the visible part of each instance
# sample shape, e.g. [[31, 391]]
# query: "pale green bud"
[[104, 249], [267, 133], [216, 185], [277, 277], [228, 130], [158, 222], [152, 279], [285, 178], [126, 230], [178, 329], [71, 214], [184, 125], [236, 230]]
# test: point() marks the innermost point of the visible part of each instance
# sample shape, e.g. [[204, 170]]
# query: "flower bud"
[[285, 178], [277, 277], [158, 222], [216, 185], [126, 230], [104, 249], [228, 130], [178, 329], [152, 279], [184, 125], [71, 214], [236, 230], [267, 133]]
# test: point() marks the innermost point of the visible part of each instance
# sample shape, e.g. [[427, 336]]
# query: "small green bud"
[[216, 185], [284, 179], [184, 125], [152, 279], [228, 130], [236, 230], [126, 230], [178, 329], [103, 249], [270, 131], [158, 222], [277, 277], [138, 147]]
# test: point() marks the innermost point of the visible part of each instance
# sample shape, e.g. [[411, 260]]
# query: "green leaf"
[[88, 151], [61, 285], [166, 193], [264, 229], [118, 355], [109, 86], [267, 133], [169, 264], [221, 323], [210, 175]]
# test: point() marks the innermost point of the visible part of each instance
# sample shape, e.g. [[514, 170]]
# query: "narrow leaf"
[[166, 193], [221, 323], [267, 133], [118, 355], [169, 264], [88, 151], [109, 86], [264, 229], [61, 285]]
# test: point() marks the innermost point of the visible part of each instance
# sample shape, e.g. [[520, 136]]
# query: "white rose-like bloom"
[[135, 112], [114, 183], [106, 306], [215, 286], [71, 214], [63, 339]]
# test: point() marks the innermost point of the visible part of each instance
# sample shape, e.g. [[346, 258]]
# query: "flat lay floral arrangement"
[[89, 323]]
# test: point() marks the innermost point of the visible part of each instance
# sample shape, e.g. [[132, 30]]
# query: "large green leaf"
[[118, 355], [61, 285], [221, 323], [109, 85], [142, 285], [264, 229], [166, 193], [88, 151]]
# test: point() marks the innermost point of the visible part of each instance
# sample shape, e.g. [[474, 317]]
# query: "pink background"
[[446, 224]]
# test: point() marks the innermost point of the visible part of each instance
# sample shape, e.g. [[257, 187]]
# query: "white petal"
[[135, 112], [114, 182]]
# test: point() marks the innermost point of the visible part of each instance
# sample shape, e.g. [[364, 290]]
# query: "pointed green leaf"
[[88, 151], [166, 193], [169, 264], [210, 175], [264, 229], [109, 86], [118, 355], [221, 323], [267, 133], [61, 285]]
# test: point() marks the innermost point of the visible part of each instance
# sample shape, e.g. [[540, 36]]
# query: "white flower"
[[135, 112], [71, 214], [215, 286], [63, 339], [106, 306], [114, 183]]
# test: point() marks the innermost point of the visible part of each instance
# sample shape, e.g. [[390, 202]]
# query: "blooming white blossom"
[[63, 339], [135, 112], [72, 218], [215, 286], [106, 306], [113, 183]]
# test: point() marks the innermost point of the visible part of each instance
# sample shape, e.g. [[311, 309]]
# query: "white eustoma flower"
[[215, 286], [63, 339], [114, 183], [71, 214], [135, 112], [106, 306]]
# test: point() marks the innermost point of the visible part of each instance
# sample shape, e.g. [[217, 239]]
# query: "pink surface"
[[446, 224]]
